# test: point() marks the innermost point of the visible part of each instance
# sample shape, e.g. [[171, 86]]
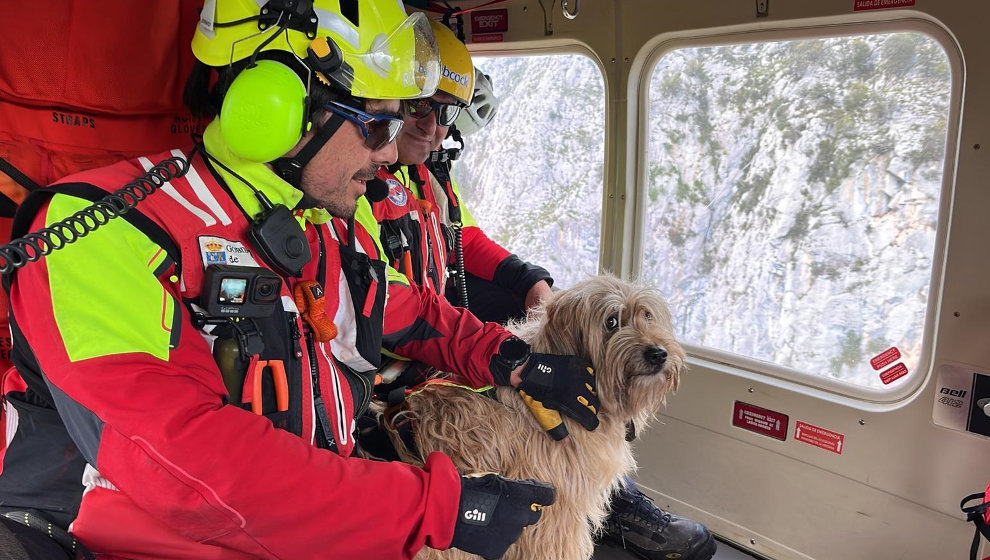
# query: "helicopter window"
[[793, 198]]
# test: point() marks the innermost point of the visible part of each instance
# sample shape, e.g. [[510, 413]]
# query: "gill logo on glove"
[[475, 515], [544, 368]]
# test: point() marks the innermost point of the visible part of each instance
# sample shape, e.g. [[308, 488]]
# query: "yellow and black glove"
[[551, 384], [548, 419], [494, 510], [554, 384]]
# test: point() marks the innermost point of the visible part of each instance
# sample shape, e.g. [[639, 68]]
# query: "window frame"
[[858, 24], [569, 47]]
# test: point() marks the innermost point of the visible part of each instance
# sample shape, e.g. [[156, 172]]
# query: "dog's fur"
[[485, 435]]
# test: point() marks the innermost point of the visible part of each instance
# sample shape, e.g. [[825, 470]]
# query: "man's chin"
[[415, 154], [338, 210], [342, 207]]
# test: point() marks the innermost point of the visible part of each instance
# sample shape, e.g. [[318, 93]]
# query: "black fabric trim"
[[176, 333], [519, 276], [42, 466], [18, 176], [362, 274], [7, 206], [163, 267], [418, 331], [83, 425], [349, 9], [489, 302], [27, 366]]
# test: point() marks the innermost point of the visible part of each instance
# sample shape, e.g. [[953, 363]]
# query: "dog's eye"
[[612, 323], [647, 315]]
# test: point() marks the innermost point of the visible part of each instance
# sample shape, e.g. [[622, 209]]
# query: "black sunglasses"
[[378, 130], [421, 108]]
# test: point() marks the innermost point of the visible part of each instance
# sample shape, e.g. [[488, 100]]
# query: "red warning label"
[[490, 21], [880, 4], [896, 372], [487, 38], [760, 420], [819, 437], [885, 358]]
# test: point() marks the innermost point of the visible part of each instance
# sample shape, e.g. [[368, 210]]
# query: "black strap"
[[290, 168], [69, 544], [8, 206], [397, 399], [439, 165], [19, 177], [976, 514]]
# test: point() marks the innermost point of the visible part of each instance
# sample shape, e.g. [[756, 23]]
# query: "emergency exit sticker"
[[490, 21], [760, 420], [885, 358], [819, 437], [880, 4]]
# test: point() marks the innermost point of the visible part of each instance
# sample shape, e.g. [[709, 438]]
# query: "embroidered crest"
[[396, 192], [217, 250], [214, 253]]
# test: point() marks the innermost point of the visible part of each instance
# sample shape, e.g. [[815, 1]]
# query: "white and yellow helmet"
[[456, 68], [383, 53]]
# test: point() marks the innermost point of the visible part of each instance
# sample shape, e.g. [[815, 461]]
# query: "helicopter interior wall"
[[894, 489]]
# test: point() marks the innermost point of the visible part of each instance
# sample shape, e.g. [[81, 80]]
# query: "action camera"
[[240, 291]]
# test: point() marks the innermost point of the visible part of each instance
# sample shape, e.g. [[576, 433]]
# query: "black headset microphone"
[[376, 190]]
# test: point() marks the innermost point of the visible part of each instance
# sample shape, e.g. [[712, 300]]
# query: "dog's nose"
[[655, 355]]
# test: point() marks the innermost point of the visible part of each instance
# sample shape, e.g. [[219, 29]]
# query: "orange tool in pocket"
[[257, 371]]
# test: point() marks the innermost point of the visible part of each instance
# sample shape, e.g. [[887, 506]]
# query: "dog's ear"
[[561, 332]]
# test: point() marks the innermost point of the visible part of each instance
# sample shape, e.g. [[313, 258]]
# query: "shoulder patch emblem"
[[217, 250], [396, 192]]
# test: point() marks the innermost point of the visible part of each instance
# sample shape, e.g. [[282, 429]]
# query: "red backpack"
[[82, 85]]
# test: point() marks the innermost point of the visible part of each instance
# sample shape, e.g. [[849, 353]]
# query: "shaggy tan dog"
[[625, 331]]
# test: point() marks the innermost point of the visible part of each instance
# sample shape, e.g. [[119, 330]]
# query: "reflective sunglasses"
[[421, 108], [378, 130]]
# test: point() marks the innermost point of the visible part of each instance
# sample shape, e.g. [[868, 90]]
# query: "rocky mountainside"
[[793, 189]]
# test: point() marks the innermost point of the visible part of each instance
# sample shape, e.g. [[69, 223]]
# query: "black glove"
[[550, 384], [563, 383], [494, 510]]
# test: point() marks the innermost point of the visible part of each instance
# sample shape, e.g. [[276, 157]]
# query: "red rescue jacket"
[[173, 470]]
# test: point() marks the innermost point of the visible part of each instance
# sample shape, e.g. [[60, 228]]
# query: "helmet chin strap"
[[290, 168]]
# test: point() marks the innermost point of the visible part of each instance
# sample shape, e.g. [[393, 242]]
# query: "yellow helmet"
[[456, 69], [374, 50]]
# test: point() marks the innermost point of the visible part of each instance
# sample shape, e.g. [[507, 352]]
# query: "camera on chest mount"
[[240, 291]]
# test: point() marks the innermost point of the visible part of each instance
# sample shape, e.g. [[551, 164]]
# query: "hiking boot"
[[639, 526]]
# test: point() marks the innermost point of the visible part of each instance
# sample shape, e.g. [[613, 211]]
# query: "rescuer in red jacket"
[[207, 351]]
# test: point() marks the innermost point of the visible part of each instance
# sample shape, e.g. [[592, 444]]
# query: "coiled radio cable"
[[37, 244]]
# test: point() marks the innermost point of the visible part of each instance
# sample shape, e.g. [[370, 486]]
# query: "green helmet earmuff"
[[264, 112]]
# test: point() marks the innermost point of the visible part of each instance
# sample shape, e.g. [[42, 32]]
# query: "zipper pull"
[[294, 327]]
